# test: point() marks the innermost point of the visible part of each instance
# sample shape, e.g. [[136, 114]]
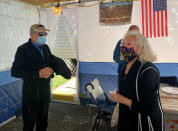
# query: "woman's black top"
[[145, 113]]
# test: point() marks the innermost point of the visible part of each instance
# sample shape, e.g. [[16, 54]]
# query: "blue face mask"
[[41, 40]]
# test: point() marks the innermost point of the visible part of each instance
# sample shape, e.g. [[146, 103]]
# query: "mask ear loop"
[[121, 57]]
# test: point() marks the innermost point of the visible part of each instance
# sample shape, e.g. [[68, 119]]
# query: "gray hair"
[[145, 51]]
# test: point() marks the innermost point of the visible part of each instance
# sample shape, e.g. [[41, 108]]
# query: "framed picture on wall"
[[115, 13]]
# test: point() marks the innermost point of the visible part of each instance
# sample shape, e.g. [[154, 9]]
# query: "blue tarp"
[[110, 68], [10, 96], [106, 73]]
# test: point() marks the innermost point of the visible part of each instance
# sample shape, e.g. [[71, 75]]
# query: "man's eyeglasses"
[[42, 33]]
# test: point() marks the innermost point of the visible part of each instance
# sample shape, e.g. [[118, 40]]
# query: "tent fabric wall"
[[16, 17], [65, 44], [65, 40], [96, 45]]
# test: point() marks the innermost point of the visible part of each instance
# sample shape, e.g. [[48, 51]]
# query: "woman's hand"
[[118, 98]]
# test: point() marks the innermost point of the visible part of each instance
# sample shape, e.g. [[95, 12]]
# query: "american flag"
[[154, 18]]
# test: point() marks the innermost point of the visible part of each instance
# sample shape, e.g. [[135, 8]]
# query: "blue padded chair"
[[103, 110]]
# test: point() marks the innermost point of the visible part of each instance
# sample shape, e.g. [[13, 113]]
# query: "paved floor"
[[62, 117]]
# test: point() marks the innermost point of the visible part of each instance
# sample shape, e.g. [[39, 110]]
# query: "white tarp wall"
[[65, 42], [15, 20], [96, 43]]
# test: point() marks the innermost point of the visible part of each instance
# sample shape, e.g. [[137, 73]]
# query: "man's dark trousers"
[[35, 111]]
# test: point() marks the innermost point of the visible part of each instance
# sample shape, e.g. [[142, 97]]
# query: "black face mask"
[[128, 53]]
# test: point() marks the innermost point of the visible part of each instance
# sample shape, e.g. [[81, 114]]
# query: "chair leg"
[[98, 122], [95, 125], [108, 123]]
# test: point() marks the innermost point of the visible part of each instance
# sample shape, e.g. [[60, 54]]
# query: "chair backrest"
[[95, 90]]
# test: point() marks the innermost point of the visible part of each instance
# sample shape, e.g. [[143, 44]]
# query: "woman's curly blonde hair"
[[145, 51]]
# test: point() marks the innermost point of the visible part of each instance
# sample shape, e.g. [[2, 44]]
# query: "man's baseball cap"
[[38, 28]]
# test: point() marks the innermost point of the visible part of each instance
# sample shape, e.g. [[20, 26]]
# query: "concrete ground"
[[63, 117]]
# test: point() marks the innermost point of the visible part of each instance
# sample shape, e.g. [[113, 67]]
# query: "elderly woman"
[[140, 108]]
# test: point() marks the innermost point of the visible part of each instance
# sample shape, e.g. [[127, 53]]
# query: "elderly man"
[[33, 64]]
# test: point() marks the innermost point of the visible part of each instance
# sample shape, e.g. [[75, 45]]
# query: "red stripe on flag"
[[143, 30], [158, 24], [166, 26], [162, 27], [146, 18], [150, 14], [154, 23]]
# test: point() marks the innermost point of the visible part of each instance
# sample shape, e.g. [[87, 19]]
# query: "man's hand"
[[45, 72], [41, 73]]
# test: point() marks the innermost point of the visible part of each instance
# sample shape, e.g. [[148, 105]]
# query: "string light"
[[57, 10]]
